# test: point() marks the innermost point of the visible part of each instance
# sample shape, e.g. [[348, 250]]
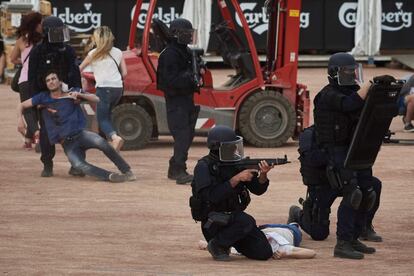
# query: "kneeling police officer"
[[337, 108], [313, 218], [220, 196]]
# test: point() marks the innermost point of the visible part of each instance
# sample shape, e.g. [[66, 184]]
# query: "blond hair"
[[103, 39]]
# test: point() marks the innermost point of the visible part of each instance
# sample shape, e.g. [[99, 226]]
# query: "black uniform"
[[314, 219], [44, 57], [336, 114], [175, 78], [211, 186]]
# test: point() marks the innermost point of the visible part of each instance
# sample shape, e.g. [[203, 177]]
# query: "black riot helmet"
[[183, 31], [54, 30], [225, 144], [344, 70]]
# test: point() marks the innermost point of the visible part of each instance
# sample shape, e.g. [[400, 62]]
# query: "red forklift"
[[264, 104]]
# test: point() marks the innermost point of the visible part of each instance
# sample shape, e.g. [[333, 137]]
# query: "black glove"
[[384, 79]]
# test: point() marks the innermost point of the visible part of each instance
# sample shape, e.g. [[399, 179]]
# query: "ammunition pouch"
[[199, 209], [313, 176]]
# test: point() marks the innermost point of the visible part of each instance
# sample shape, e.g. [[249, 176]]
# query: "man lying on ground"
[[284, 240]]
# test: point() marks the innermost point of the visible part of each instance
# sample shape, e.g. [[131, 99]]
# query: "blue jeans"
[[76, 146], [108, 99]]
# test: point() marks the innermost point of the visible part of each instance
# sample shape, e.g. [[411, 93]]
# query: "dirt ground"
[[79, 226]]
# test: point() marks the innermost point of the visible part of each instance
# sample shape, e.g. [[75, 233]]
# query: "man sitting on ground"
[[65, 124]]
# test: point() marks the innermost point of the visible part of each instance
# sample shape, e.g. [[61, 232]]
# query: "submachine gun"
[[249, 163], [197, 63]]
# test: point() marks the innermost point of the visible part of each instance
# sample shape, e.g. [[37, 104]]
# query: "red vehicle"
[[264, 104]]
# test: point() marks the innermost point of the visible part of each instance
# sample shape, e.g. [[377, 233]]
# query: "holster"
[[333, 177], [218, 219]]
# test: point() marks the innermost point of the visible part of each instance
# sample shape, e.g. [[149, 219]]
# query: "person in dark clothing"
[[220, 196], [314, 217], [176, 79], [336, 112], [52, 53]]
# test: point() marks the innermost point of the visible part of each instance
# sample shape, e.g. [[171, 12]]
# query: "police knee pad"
[[368, 200], [320, 234], [352, 195]]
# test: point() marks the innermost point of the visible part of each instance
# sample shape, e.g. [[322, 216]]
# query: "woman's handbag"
[[15, 81]]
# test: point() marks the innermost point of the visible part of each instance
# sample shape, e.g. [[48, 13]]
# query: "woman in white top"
[[29, 34], [109, 69]]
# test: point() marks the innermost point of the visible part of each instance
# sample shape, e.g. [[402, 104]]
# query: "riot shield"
[[379, 109]]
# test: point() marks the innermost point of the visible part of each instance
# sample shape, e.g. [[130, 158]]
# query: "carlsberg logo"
[[80, 22], [391, 21], [159, 13], [258, 20]]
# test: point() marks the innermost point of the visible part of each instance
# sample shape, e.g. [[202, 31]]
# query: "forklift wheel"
[[133, 124], [267, 119]]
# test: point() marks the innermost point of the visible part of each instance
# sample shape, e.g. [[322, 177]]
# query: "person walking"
[[28, 35], [109, 69]]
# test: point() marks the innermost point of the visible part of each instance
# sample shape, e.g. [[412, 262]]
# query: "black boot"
[[173, 170], [179, 173], [369, 234], [47, 171], [184, 178], [344, 249], [359, 246], [294, 214], [218, 252]]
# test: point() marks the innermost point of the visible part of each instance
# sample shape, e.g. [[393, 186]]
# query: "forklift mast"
[[282, 37]]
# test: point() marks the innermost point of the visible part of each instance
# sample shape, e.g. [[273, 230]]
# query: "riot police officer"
[[52, 53], [314, 217], [176, 79], [336, 112], [220, 196]]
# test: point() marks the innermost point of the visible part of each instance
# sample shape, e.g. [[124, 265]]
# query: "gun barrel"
[[254, 163]]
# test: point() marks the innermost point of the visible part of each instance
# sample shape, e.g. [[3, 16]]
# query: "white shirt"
[[106, 71]]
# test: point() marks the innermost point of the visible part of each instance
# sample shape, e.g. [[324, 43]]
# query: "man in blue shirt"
[[65, 124]]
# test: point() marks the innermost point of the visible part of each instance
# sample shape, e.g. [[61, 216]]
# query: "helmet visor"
[[350, 75], [187, 36], [58, 34], [231, 151]]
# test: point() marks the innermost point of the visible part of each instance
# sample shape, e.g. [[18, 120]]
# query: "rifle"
[[197, 63], [249, 163]]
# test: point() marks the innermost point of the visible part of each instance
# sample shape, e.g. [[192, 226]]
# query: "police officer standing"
[[336, 112], [52, 53], [175, 77], [220, 196]]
